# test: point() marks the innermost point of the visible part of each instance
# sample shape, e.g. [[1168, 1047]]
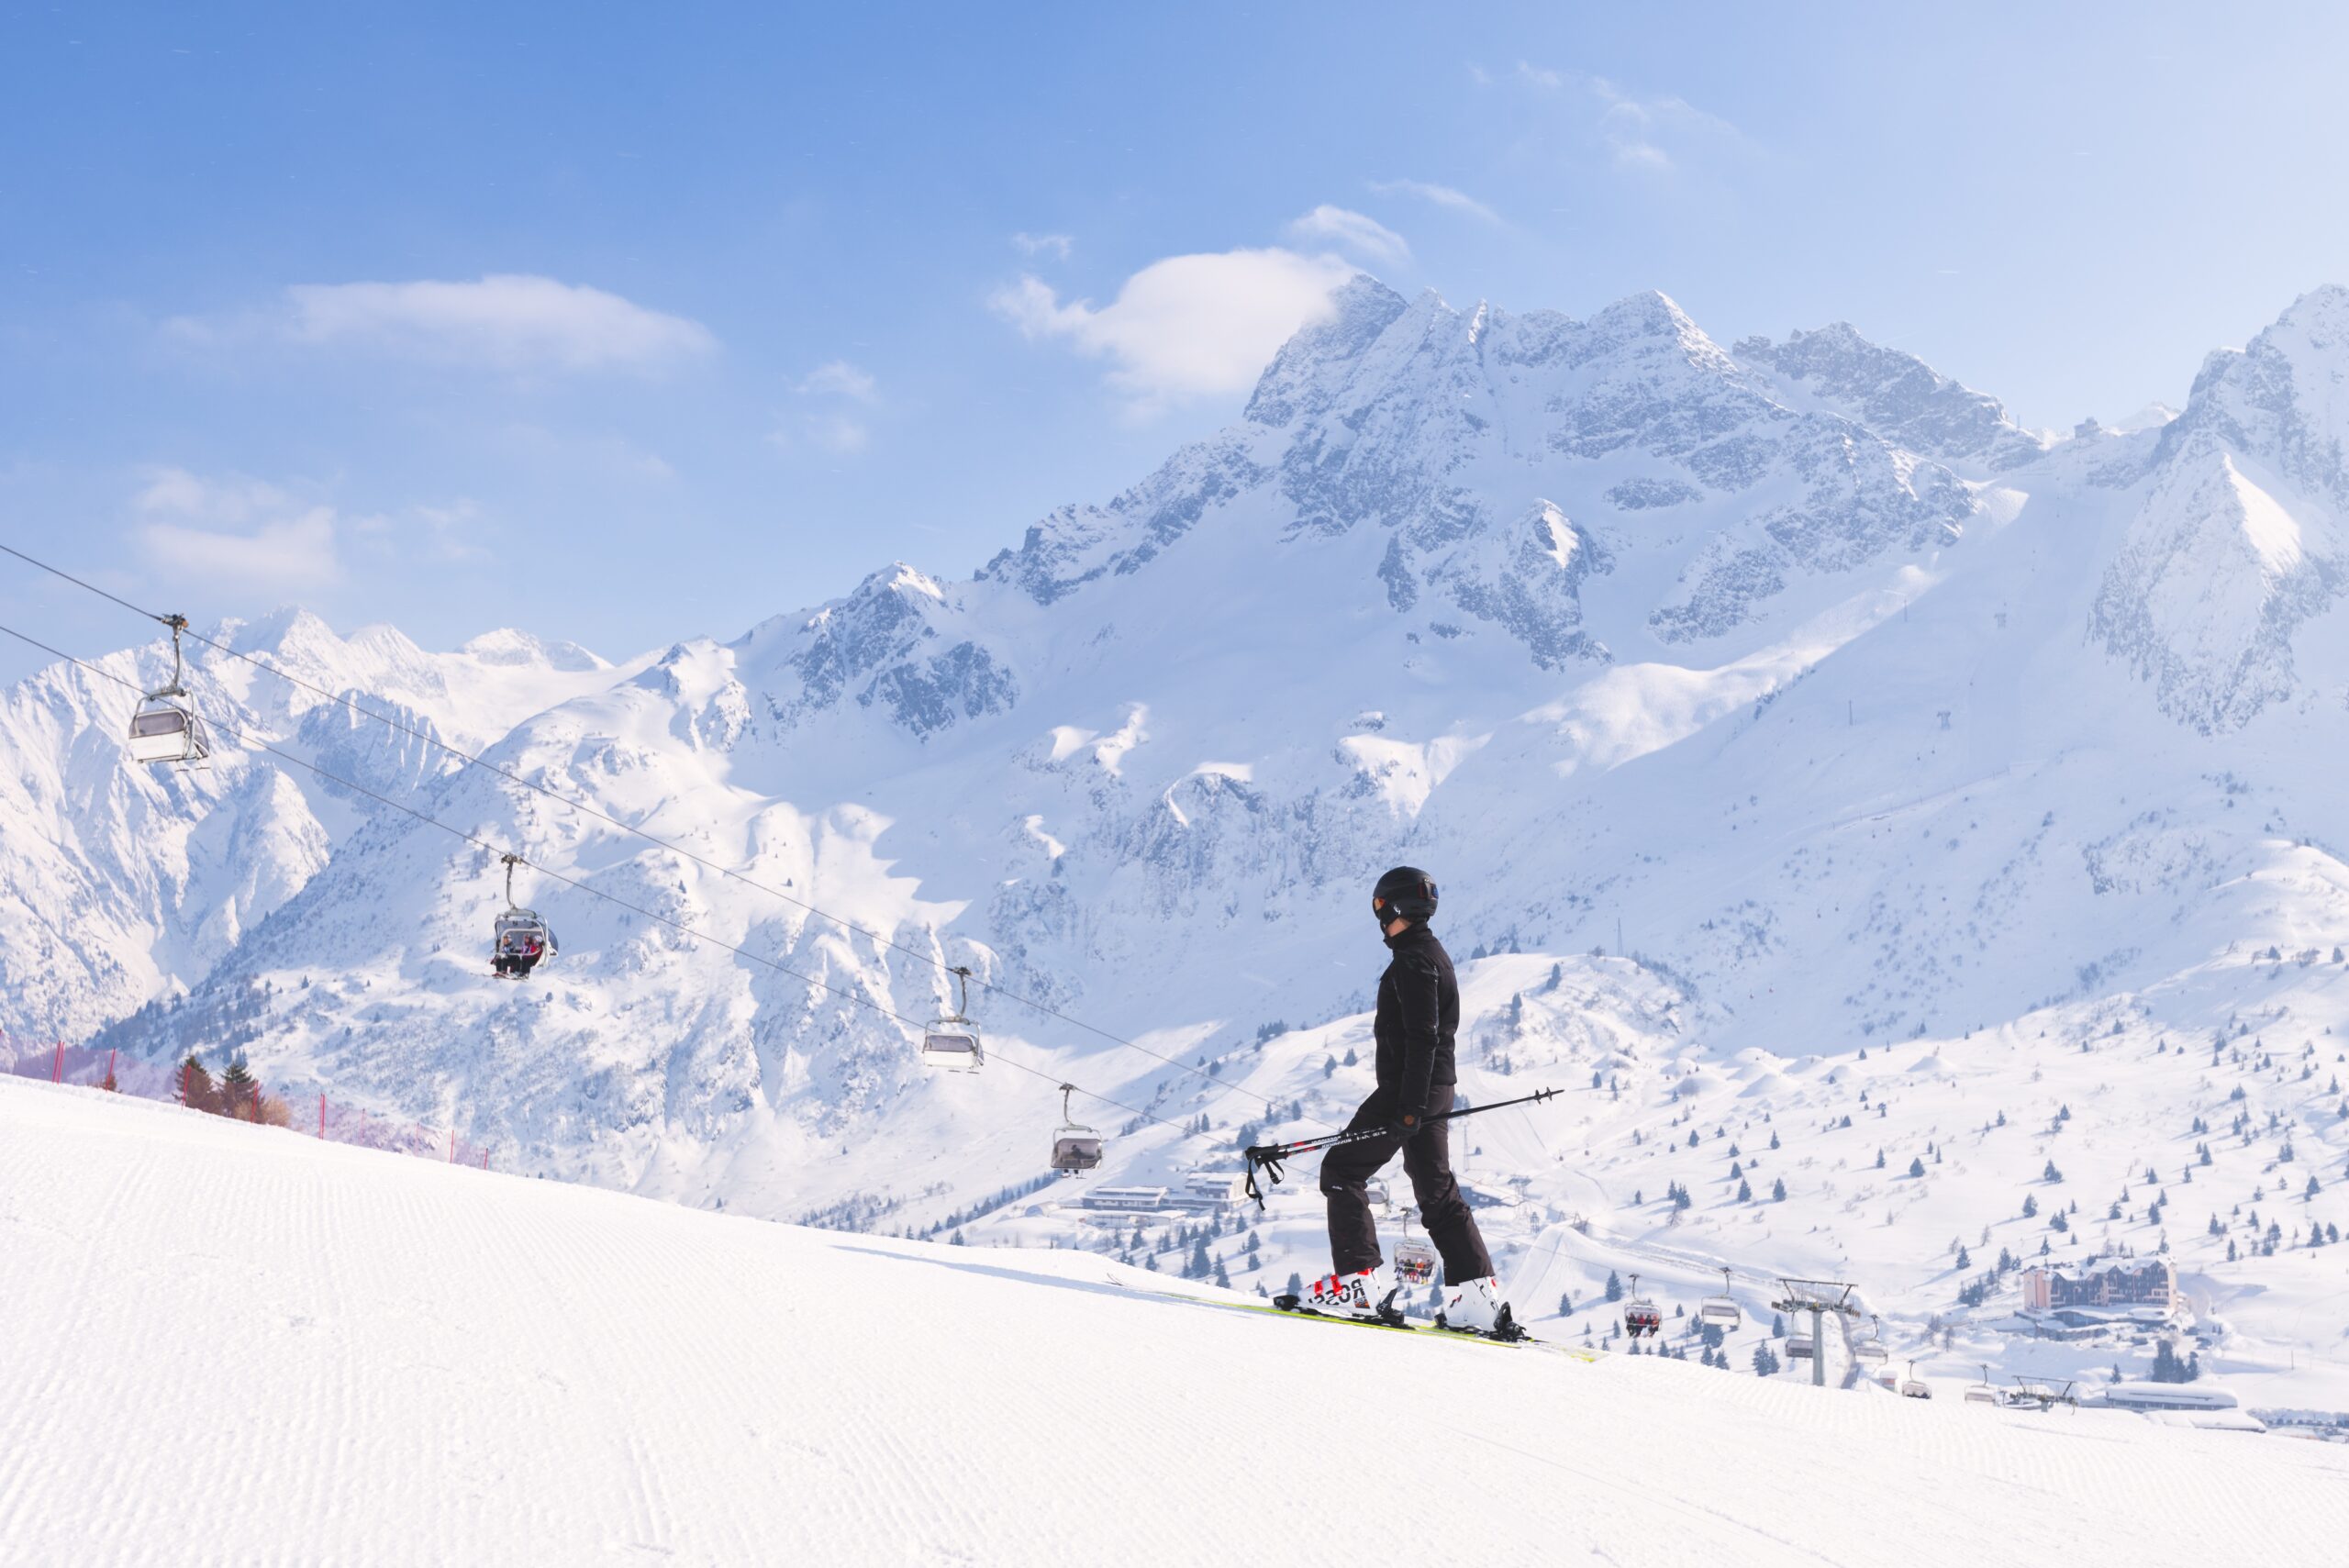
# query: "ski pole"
[[1269, 1157]]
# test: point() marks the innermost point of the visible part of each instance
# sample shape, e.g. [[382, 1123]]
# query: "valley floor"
[[227, 1343]]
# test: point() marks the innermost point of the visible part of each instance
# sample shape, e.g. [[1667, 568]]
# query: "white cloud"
[[237, 529], [842, 378], [1186, 326], [1440, 195], [1547, 80], [1056, 245], [1351, 231], [832, 391], [508, 321]]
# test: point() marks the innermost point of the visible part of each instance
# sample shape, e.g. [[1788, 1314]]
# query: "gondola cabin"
[[952, 1045], [1720, 1311], [1076, 1148], [1076, 1151], [520, 941], [1641, 1316], [165, 731], [1415, 1262]]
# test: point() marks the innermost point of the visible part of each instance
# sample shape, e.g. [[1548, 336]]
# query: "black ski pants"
[[1427, 1159]]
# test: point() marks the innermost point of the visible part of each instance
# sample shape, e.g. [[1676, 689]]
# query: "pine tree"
[[1965, 1259], [1916, 1167], [2030, 1206], [1296, 1285], [197, 1091], [1778, 1190], [239, 1095], [1744, 1191], [1565, 1303], [1614, 1286]]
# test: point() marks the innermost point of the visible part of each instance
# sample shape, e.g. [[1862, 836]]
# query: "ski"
[[1424, 1329]]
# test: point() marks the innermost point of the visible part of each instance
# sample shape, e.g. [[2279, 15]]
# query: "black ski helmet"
[[1405, 891]]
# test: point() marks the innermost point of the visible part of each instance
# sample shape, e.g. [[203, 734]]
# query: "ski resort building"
[[2138, 1287], [1127, 1200], [1211, 1190]]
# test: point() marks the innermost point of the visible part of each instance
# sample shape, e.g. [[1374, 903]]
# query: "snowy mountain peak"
[[508, 647], [1297, 381], [2242, 536], [1899, 394]]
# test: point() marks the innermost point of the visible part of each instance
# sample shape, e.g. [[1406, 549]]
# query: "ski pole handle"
[[1270, 1156]]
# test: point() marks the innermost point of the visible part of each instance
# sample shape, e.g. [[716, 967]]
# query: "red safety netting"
[[306, 1111]]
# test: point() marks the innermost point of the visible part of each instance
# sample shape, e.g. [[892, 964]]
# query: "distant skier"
[[1419, 1014]]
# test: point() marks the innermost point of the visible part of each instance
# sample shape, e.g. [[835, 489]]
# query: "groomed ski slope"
[[229, 1345]]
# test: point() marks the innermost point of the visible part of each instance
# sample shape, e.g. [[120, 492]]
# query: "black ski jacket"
[[1419, 1014]]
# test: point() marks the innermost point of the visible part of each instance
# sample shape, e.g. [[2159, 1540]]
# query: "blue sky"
[[626, 322]]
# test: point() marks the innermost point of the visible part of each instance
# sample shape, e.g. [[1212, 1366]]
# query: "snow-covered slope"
[[118, 886], [1755, 708], [230, 1343]]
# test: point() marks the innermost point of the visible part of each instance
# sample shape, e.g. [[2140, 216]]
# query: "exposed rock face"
[[2239, 539]]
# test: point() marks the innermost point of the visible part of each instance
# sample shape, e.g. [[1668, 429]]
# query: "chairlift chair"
[[519, 939], [1798, 1347], [1641, 1316], [1076, 1148], [952, 1044], [1869, 1347], [1415, 1260], [1721, 1310], [1915, 1387], [164, 728], [1982, 1393]]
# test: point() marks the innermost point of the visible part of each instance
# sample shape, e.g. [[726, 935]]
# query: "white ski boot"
[[1476, 1307], [1369, 1296]]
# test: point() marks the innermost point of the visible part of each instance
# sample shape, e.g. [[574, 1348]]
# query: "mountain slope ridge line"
[[471, 760], [674, 924]]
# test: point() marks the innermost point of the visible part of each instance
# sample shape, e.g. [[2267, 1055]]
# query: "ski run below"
[[230, 1344]]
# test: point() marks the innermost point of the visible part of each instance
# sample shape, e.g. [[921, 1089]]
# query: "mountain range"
[[1794, 736]]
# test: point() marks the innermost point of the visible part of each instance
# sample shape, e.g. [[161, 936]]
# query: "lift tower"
[[1818, 1297]]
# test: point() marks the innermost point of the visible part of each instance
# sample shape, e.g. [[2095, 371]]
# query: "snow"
[[1855, 719], [231, 1343]]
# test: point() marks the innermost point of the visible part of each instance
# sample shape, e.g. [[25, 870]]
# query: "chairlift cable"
[[670, 922], [180, 623]]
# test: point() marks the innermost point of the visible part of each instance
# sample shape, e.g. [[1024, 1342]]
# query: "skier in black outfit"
[[1419, 1014]]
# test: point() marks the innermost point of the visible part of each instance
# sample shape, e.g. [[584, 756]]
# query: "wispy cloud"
[[1351, 231], [1439, 195], [505, 321], [833, 397], [1186, 326], [237, 529], [838, 378], [1057, 246], [1643, 135]]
